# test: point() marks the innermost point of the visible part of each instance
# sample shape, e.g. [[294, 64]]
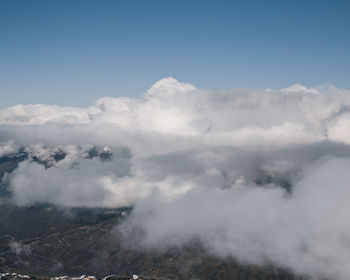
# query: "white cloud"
[[169, 86], [171, 107], [258, 175], [307, 231], [299, 88]]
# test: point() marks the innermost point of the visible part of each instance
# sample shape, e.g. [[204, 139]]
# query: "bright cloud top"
[[294, 114], [260, 175]]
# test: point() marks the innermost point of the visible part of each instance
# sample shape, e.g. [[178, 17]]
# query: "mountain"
[[46, 240]]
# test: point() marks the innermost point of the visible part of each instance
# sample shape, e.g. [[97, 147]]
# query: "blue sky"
[[71, 52]]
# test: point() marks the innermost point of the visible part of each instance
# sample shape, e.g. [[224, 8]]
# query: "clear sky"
[[71, 52]]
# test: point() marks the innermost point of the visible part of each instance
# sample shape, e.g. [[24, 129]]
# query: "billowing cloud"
[[260, 175], [306, 231]]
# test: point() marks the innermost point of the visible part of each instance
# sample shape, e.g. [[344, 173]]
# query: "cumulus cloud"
[[260, 175]]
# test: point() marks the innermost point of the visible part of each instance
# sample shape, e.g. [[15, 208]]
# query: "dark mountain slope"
[[46, 240]]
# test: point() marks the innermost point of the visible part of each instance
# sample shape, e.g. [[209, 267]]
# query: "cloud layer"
[[260, 175]]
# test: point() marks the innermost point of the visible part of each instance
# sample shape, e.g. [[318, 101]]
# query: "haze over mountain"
[[257, 175]]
